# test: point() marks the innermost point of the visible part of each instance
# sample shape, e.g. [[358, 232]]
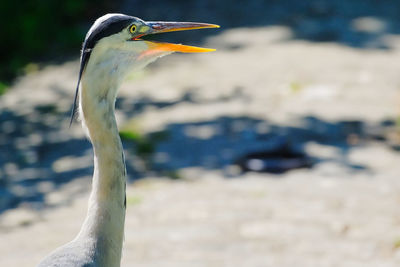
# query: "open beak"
[[160, 27]]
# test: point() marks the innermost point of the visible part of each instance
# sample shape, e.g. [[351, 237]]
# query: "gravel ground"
[[260, 85]]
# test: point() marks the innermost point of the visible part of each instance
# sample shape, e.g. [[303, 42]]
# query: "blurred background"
[[282, 148]]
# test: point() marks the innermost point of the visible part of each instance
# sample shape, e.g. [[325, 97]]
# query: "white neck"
[[104, 223], [110, 61]]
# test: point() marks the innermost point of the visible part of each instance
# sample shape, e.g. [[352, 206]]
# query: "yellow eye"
[[132, 29]]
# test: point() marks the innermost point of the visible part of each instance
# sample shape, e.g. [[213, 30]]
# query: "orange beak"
[[160, 27]]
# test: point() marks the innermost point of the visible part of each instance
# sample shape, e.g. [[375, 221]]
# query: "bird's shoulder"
[[73, 254]]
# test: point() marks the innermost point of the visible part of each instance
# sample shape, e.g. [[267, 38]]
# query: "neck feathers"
[[106, 214]]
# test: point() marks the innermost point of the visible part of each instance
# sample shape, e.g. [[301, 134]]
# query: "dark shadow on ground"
[[226, 141], [38, 154], [356, 23], [30, 147]]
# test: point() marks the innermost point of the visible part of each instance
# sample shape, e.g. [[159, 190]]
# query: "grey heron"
[[112, 49]]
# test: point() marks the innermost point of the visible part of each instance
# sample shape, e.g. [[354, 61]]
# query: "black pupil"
[[133, 28]]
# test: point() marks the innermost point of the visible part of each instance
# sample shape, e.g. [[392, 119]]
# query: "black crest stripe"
[[110, 26]]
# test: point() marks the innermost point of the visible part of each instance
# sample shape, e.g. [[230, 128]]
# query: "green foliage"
[[296, 87], [3, 88], [144, 145], [133, 200], [37, 30], [130, 135], [396, 244]]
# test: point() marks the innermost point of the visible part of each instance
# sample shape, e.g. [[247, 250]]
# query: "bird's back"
[[77, 253]]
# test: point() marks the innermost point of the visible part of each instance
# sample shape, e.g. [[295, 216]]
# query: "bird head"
[[113, 48], [114, 43]]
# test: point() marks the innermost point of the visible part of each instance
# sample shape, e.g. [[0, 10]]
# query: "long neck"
[[104, 224]]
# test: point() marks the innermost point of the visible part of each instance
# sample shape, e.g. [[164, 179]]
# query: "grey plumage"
[[111, 50], [77, 253]]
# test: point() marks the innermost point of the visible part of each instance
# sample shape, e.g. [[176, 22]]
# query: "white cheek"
[[114, 58]]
